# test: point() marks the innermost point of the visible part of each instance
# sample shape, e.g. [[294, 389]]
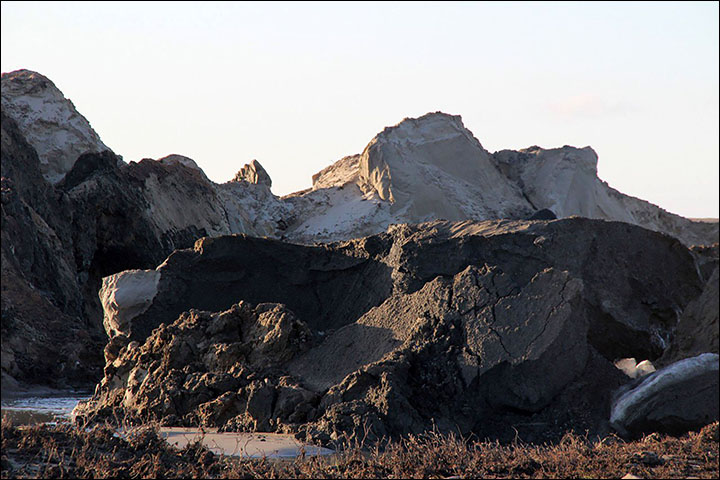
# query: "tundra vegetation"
[[64, 451]]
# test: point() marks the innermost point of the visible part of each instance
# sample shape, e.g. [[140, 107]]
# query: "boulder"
[[636, 280], [680, 397], [125, 295], [205, 368]]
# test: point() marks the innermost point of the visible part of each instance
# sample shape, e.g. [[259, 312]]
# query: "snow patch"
[[633, 369]]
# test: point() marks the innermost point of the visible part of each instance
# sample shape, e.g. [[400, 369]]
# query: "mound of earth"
[[636, 280], [472, 326], [73, 212]]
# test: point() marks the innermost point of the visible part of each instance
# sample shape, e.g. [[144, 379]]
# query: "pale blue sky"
[[300, 85]]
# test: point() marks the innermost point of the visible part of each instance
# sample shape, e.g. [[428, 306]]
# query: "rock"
[[175, 159], [204, 367], [648, 458], [432, 167], [422, 166], [421, 169], [450, 366], [680, 397], [102, 217], [339, 174], [45, 338], [504, 346], [252, 349], [254, 173], [707, 258], [311, 281], [74, 212]]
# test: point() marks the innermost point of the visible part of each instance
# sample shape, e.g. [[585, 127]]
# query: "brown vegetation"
[[63, 451]]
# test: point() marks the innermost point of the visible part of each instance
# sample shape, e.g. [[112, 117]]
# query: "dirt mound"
[[636, 281], [476, 327]]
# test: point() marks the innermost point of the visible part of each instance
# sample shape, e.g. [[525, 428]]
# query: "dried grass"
[[64, 451]]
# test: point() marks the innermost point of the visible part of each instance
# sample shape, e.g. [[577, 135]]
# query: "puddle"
[[55, 407], [51, 407], [246, 445]]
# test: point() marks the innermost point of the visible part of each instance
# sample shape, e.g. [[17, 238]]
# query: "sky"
[[298, 86]]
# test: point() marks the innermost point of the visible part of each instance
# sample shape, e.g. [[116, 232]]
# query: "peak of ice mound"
[[433, 167], [175, 159], [48, 121], [254, 173], [429, 128]]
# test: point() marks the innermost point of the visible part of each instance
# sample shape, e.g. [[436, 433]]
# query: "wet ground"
[[55, 406], [41, 406]]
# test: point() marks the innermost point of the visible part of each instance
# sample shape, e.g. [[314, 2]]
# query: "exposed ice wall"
[[126, 295]]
